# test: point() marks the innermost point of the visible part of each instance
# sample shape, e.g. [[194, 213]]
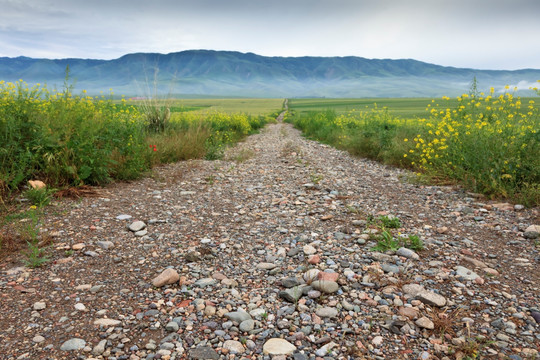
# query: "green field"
[[401, 107], [253, 107]]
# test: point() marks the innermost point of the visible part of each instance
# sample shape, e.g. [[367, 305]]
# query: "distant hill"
[[227, 73]]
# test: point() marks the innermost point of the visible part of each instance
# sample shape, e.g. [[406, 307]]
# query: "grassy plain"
[[254, 107], [406, 108]]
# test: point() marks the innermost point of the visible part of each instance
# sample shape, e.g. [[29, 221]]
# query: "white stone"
[[278, 347]]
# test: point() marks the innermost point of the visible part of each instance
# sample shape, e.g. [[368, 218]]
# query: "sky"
[[482, 34]]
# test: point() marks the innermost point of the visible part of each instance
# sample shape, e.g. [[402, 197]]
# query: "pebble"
[[327, 312], [278, 347], [73, 344], [40, 305], [235, 347], [168, 276]]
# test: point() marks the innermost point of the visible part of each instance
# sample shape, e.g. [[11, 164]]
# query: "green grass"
[[254, 107], [406, 108]]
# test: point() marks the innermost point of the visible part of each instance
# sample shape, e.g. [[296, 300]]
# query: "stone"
[[99, 348], [168, 276], [80, 307], [431, 298], [172, 326], [277, 346], [38, 339], [329, 312], [377, 340], [390, 268], [325, 349], [409, 312], [247, 325], [203, 353], [78, 246], [309, 250], [407, 253], [425, 323], [73, 344], [311, 275], [325, 286], [202, 283], [266, 266], [238, 316], [136, 226], [314, 259], [328, 276], [105, 245], [192, 256], [234, 347], [123, 217], [107, 322], [290, 282], [474, 262], [40, 305], [413, 289], [37, 184], [465, 274], [291, 295]]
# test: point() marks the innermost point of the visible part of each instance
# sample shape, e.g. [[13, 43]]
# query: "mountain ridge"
[[231, 73]]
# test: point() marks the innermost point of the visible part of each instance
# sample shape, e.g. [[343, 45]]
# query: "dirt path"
[[273, 253]]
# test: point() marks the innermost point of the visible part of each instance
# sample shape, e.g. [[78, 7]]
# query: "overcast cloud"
[[485, 34]]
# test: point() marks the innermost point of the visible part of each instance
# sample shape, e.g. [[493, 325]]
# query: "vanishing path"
[[278, 230]]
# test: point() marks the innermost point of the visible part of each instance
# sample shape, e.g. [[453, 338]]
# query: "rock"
[[309, 250], [80, 307], [328, 276], [203, 353], [192, 256], [536, 316], [235, 347], [38, 339], [172, 326], [311, 275], [266, 266], [247, 325], [40, 305], [291, 295], [314, 259], [329, 312], [202, 283], [290, 282], [123, 217], [73, 344], [430, 298], [465, 274], [407, 253], [37, 184], [390, 268], [136, 226], [105, 245], [238, 316], [377, 340], [413, 289], [325, 349], [78, 246], [168, 276], [277, 346], [99, 348], [107, 322], [325, 286], [409, 312], [425, 323], [477, 263]]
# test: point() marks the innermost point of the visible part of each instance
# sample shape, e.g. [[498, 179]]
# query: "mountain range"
[[202, 73]]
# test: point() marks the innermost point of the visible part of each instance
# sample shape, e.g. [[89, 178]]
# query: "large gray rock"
[[73, 344], [136, 226], [466, 274], [238, 316], [203, 353], [235, 347]]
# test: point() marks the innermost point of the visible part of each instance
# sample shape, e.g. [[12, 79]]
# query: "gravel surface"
[[267, 255]]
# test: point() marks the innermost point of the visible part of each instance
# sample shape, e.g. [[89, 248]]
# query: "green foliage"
[[413, 242], [488, 143], [39, 197], [390, 222], [35, 256], [386, 242]]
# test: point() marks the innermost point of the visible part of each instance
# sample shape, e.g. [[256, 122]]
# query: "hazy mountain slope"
[[227, 73]]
